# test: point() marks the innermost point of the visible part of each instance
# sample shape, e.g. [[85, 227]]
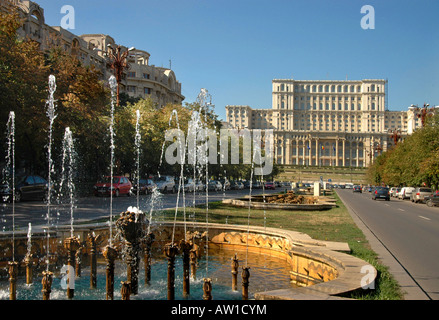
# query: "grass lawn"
[[332, 225]]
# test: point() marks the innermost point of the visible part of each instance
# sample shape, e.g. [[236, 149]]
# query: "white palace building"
[[328, 123]]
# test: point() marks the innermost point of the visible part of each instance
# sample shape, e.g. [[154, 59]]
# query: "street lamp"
[[118, 62]]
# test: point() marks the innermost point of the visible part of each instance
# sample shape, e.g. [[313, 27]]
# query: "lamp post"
[[118, 62]]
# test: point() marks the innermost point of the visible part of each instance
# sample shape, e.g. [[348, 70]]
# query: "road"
[[406, 232], [92, 208]]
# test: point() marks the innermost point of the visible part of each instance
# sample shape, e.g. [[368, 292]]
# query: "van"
[[405, 193]]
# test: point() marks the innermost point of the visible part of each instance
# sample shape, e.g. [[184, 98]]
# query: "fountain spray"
[[113, 87], [205, 100], [51, 110], [28, 257], [10, 159], [137, 141]]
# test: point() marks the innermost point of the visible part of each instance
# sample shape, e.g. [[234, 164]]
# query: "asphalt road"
[[91, 208], [406, 232]]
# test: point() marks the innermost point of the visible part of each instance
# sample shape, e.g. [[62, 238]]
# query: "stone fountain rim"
[[335, 254]]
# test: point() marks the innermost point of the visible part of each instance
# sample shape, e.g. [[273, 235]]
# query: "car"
[[189, 185], [199, 185], [419, 194], [121, 186], [270, 185], [27, 187], [215, 185], [357, 189], [394, 191], [406, 193], [432, 200], [166, 184], [146, 186], [226, 184], [256, 185], [237, 185], [277, 184], [381, 193]]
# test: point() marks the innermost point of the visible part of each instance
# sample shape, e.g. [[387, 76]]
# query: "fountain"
[[131, 226], [135, 232], [51, 114]]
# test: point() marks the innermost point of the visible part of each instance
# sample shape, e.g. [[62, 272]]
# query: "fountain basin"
[[318, 269]]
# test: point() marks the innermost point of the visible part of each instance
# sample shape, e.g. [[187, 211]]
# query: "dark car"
[[121, 185], [146, 186], [381, 193], [357, 189], [26, 188], [432, 200]]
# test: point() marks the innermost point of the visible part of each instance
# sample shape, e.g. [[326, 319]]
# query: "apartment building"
[[140, 80]]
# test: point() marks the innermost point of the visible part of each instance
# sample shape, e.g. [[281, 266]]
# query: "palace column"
[[317, 152], [344, 153], [304, 153], [288, 155], [297, 151], [336, 152]]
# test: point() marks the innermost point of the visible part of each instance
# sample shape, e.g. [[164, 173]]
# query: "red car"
[[121, 185], [270, 185]]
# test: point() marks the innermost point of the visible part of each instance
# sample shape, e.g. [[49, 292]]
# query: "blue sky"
[[235, 48]]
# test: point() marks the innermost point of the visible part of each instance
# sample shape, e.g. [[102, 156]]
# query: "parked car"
[[146, 186], [166, 184], [26, 188], [381, 193], [406, 193], [357, 189], [432, 200], [237, 185], [215, 185], [270, 185], [419, 194], [256, 185], [121, 185], [226, 184], [199, 185], [189, 185], [394, 191]]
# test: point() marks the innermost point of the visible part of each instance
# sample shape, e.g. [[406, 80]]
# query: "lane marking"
[[401, 209], [424, 218]]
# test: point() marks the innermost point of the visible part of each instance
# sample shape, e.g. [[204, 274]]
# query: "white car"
[[189, 185], [405, 193], [166, 184]]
